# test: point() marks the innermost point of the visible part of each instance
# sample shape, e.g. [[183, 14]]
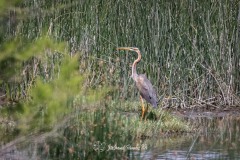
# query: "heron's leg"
[[143, 109], [146, 109]]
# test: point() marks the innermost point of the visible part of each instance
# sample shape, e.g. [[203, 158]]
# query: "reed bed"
[[190, 48], [190, 52]]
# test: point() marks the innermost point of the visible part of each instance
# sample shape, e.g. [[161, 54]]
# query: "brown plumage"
[[144, 86]]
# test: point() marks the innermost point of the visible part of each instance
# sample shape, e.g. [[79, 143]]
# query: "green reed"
[[189, 47], [176, 58]]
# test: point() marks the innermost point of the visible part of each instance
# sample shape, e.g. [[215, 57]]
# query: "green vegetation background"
[[59, 64]]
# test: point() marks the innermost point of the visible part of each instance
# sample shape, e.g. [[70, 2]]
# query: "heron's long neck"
[[134, 70]]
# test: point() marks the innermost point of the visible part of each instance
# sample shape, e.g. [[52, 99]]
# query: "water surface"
[[216, 138]]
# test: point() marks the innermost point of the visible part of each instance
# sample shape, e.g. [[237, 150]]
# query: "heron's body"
[[144, 86], [146, 89]]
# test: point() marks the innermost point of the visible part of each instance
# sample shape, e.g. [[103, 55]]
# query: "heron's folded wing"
[[146, 89]]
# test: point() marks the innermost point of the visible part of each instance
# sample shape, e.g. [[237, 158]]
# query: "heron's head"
[[129, 48]]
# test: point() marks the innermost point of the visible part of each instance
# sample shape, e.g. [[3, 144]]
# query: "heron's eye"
[[150, 97]]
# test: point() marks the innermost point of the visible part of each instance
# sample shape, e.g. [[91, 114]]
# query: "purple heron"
[[144, 86]]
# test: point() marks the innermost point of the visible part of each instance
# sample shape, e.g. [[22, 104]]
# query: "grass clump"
[[156, 122]]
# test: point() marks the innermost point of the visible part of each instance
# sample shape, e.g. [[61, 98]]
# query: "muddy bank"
[[222, 111]]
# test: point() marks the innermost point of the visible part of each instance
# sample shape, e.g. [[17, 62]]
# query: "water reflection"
[[216, 138], [182, 155], [212, 138]]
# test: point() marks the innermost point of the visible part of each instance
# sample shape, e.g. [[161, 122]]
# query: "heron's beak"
[[125, 48]]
